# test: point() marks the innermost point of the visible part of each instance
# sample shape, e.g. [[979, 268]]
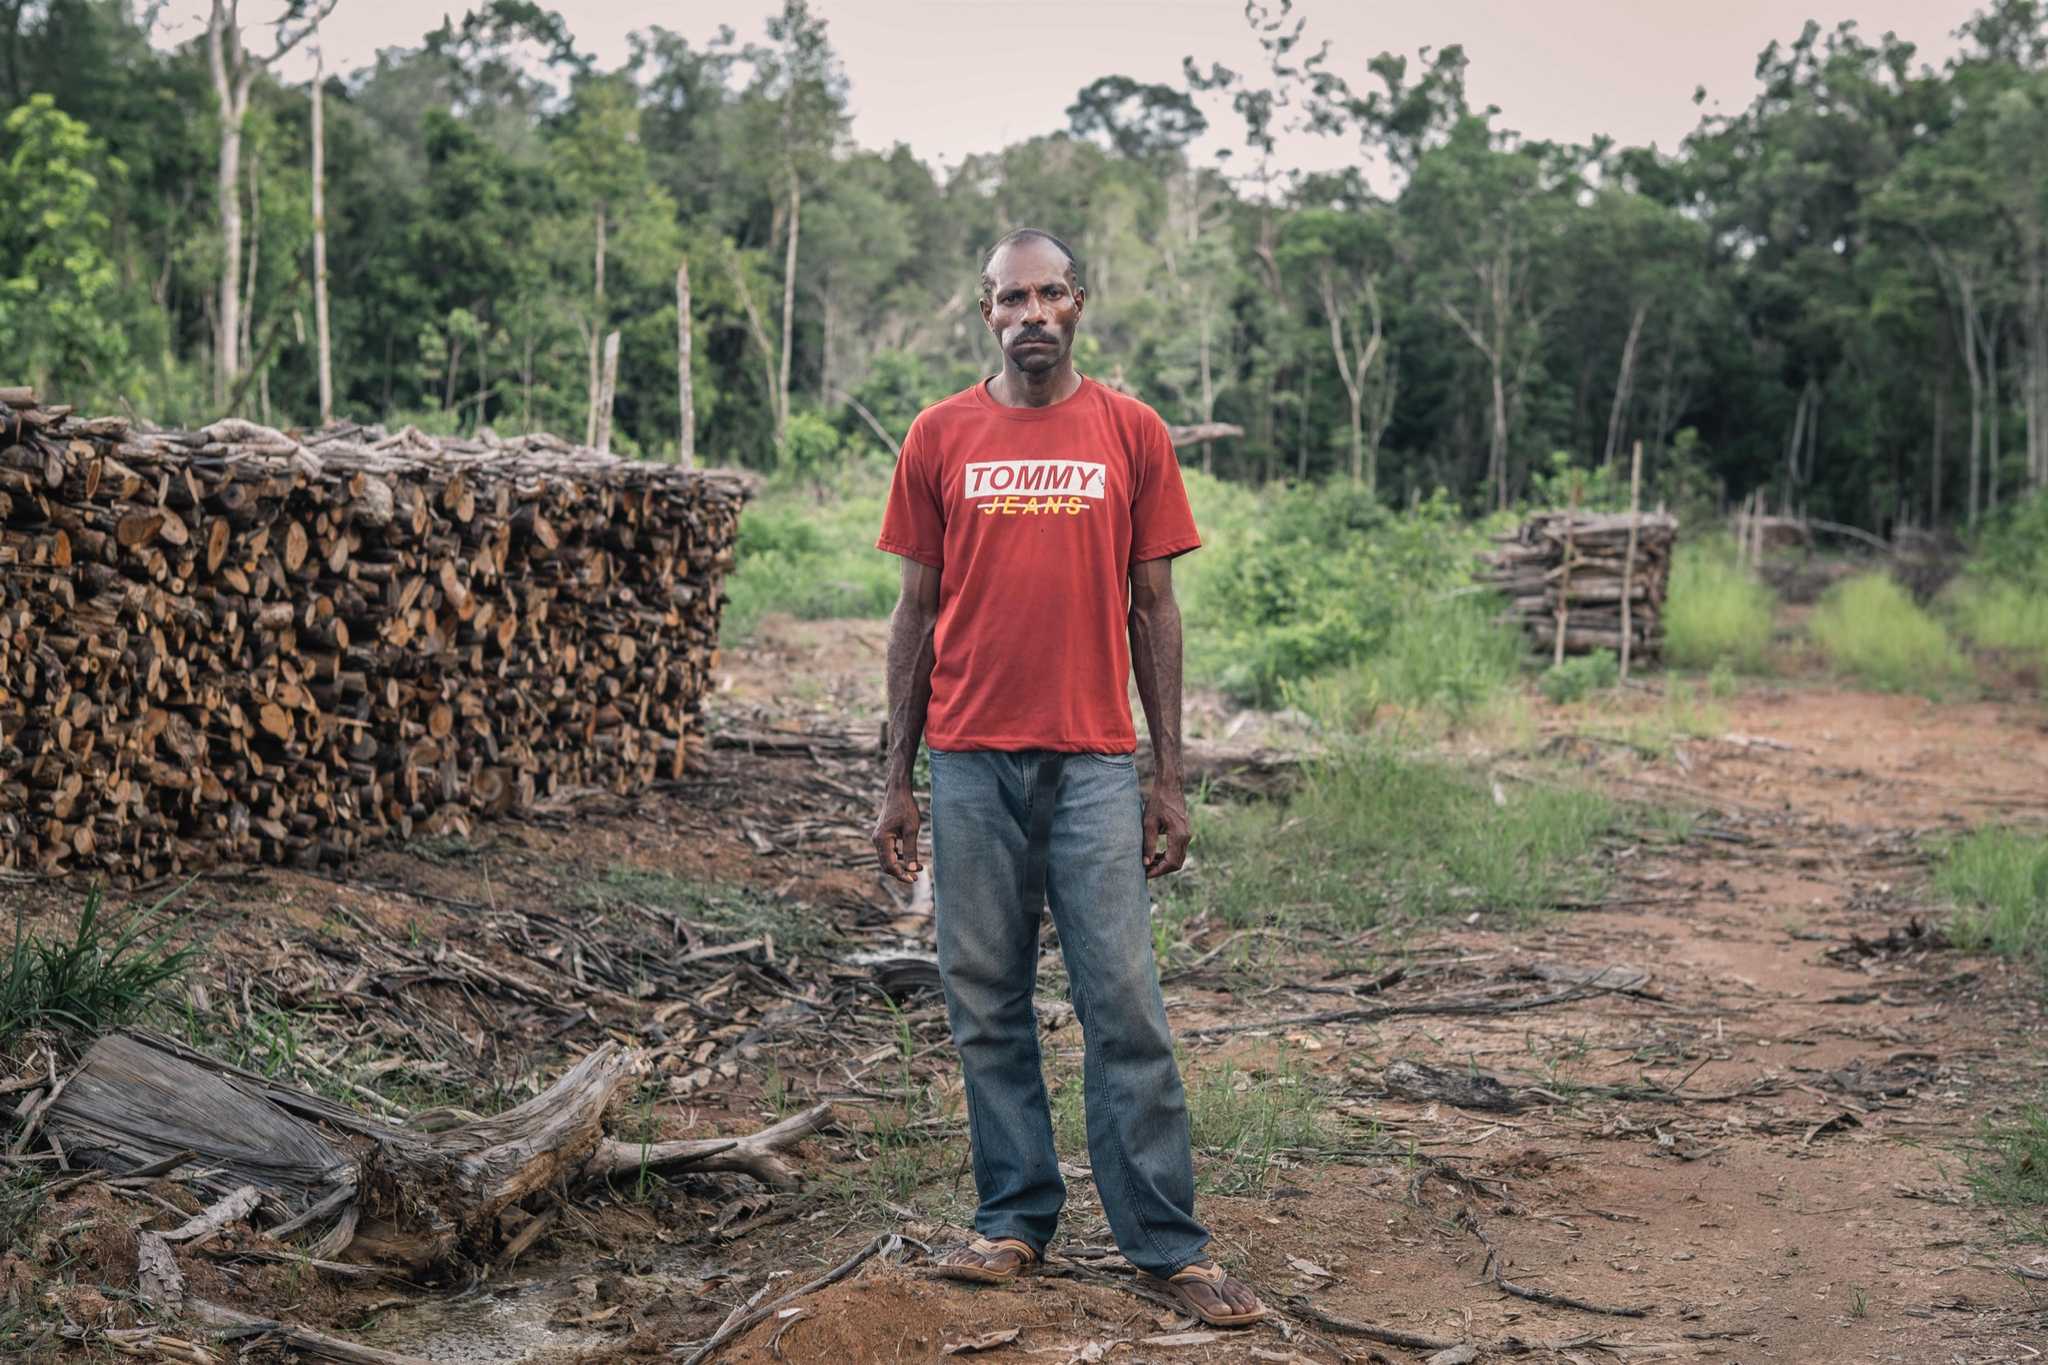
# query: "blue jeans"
[[1011, 833]]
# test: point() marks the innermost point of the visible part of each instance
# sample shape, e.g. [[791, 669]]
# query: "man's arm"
[[1155, 659], [912, 649]]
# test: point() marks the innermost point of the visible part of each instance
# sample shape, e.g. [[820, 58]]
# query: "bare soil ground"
[[1737, 1097]]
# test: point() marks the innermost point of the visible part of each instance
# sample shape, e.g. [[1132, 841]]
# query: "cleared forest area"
[[441, 918]]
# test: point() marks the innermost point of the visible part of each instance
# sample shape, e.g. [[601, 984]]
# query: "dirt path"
[[1738, 1096], [1761, 1148]]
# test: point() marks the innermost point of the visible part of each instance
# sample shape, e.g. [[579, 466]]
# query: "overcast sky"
[[952, 77]]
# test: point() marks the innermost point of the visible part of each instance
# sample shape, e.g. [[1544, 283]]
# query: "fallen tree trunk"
[[386, 1194]]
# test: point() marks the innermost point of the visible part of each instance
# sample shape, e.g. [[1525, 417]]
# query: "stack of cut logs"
[[238, 644], [1566, 571]]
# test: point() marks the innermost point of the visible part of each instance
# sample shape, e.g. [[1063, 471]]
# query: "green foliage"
[[2001, 601], [1322, 580], [2004, 616], [1492, 300], [1579, 675], [100, 977], [2014, 545], [1716, 615], [1448, 654], [810, 446], [58, 275], [1373, 833], [1871, 629], [1998, 881], [812, 554]]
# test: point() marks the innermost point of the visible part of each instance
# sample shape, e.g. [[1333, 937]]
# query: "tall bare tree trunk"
[[597, 321], [796, 204], [223, 50], [2035, 372], [1976, 377], [608, 387], [686, 403], [1624, 386], [1497, 446], [320, 333], [1991, 403], [234, 73], [247, 346]]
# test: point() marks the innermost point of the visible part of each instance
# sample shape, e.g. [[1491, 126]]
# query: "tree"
[[1337, 261], [1478, 209], [57, 276], [320, 237], [235, 70], [796, 106]]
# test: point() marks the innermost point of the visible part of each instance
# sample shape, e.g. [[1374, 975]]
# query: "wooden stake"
[[1564, 585], [1628, 562], [686, 438]]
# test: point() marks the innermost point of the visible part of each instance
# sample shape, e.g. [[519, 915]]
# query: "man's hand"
[[1166, 830], [896, 835]]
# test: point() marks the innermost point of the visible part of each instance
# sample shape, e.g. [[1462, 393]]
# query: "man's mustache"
[[1033, 334]]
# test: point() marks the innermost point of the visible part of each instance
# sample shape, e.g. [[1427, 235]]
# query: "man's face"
[[1032, 310]]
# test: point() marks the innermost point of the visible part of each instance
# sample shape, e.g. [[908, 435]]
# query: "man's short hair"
[[1027, 234]]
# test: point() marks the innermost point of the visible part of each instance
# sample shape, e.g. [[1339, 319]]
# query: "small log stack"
[[1544, 586], [235, 643]]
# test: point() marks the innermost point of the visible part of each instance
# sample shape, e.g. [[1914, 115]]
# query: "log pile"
[[1565, 571], [237, 644]]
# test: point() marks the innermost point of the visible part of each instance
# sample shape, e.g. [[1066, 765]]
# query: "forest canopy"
[[1838, 294]]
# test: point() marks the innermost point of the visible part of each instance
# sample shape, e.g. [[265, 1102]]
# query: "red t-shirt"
[[1033, 518]]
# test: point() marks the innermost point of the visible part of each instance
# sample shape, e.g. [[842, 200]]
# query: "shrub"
[[1872, 630], [1998, 880], [1449, 653], [1997, 614], [2014, 545], [98, 979], [1716, 615], [1579, 675], [1320, 580]]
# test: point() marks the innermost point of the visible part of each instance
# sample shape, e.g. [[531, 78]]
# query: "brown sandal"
[[975, 1262], [1213, 1275]]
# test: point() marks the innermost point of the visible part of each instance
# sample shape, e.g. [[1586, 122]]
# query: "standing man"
[[1037, 515]]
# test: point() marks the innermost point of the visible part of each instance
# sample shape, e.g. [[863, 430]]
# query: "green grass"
[[101, 976], [2001, 615], [1998, 880], [1373, 833], [1573, 679], [1241, 1120], [812, 555], [1448, 657], [2012, 1170], [1716, 615], [1680, 714], [1871, 630]]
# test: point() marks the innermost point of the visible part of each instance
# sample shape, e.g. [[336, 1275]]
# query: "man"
[[1037, 515]]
